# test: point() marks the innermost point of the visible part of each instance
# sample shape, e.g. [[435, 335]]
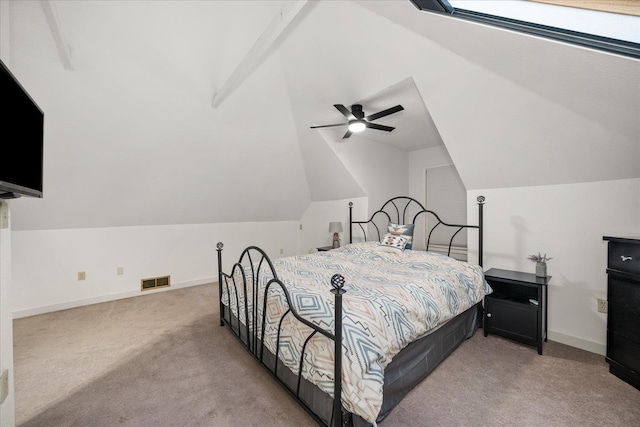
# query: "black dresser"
[[623, 319]]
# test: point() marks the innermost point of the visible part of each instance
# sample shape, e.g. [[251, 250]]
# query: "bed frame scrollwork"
[[399, 210], [255, 261]]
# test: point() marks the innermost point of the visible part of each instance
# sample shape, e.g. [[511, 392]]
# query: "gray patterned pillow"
[[402, 230]]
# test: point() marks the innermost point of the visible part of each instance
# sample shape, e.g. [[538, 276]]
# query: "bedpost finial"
[[337, 282], [219, 246], [480, 200], [350, 204]]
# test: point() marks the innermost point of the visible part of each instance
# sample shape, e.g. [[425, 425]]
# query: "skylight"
[[612, 32], [604, 24]]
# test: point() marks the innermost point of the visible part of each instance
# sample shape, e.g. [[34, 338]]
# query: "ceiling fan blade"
[[328, 126], [345, 111], [379, 127], [347, 135], [383, 113]]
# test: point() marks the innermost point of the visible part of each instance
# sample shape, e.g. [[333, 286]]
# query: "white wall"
[[7, 409], [568, 223], [46, 262], [315, 221], [381, 170]]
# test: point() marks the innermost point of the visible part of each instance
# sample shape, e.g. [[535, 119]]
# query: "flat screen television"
[[21, 139]]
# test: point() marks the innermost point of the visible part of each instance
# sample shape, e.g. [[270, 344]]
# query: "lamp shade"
[[335, 227]]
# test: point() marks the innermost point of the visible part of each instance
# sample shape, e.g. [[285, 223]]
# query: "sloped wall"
[[130, 134], [515, 110]]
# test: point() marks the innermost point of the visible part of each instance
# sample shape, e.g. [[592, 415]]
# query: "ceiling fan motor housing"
[[356, 110]]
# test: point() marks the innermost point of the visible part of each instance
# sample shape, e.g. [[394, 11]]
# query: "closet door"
[[446, 196]]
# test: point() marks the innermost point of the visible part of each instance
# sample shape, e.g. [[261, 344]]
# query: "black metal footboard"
[[243, 291]]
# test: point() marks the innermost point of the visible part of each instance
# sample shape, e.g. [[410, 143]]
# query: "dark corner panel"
[[623, 317]]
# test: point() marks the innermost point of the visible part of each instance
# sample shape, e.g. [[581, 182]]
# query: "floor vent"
[[155, 282]]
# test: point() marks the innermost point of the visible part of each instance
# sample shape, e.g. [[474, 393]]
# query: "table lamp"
[[335, 228]]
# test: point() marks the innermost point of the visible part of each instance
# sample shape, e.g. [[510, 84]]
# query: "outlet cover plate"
[[603, 305]]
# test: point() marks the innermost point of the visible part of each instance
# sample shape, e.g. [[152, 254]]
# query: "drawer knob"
[[625, 258], [488, 314]]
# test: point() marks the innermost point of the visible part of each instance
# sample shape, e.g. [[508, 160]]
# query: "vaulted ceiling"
[[132, 137]]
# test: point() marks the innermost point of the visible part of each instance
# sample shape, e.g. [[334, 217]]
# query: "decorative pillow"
[[391, 243], [402, 230]]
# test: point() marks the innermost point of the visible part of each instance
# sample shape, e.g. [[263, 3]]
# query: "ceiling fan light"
[[357, 126]]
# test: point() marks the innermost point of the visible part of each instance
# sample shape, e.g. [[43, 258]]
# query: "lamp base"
[[336, 241]]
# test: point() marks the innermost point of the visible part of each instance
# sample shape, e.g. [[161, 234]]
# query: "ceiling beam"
[[51, 12], [278, 25]]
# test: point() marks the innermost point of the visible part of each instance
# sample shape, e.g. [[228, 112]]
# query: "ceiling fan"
[[358, 122]]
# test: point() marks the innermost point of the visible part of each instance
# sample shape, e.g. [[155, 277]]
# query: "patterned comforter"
[[392, 299]]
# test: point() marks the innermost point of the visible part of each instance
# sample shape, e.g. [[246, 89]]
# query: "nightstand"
[[511, 310], [324, 248]]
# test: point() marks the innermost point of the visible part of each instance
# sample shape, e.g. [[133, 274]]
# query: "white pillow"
[[393, 243]]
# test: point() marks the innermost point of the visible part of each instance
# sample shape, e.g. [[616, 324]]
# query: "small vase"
[[541, 269]]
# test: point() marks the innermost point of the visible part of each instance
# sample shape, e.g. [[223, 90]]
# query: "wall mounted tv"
[[21, 136]]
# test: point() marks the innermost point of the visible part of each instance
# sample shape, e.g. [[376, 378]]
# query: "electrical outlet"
[[4, 385], [120, 271], [603, 305], [82, 275]]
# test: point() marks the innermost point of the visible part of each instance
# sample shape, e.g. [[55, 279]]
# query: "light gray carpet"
[[163, 360]]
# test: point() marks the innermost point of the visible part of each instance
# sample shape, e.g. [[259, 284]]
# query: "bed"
[[349, 332]]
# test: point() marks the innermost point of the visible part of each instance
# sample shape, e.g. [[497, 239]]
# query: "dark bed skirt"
[[419, 358], [405, 371]]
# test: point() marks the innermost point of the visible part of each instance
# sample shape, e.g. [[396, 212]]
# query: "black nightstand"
[[509, 311], [324, 248]]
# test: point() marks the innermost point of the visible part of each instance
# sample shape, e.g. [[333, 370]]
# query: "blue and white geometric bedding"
[[392, 299]]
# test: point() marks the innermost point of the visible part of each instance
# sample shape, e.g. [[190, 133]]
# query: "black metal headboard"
[[405, 210]]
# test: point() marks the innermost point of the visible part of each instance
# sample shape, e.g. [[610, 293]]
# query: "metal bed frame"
[[402, 207], [244, 325]]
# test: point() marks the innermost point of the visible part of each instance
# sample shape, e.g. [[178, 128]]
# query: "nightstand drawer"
[[512, 319]]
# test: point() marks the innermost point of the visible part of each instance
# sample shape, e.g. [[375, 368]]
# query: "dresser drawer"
[[624, 351], [623, 296], [624, 257], [624, 322]]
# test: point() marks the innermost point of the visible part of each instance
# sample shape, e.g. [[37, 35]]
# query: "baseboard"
[[105, 298], [576, 342]]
